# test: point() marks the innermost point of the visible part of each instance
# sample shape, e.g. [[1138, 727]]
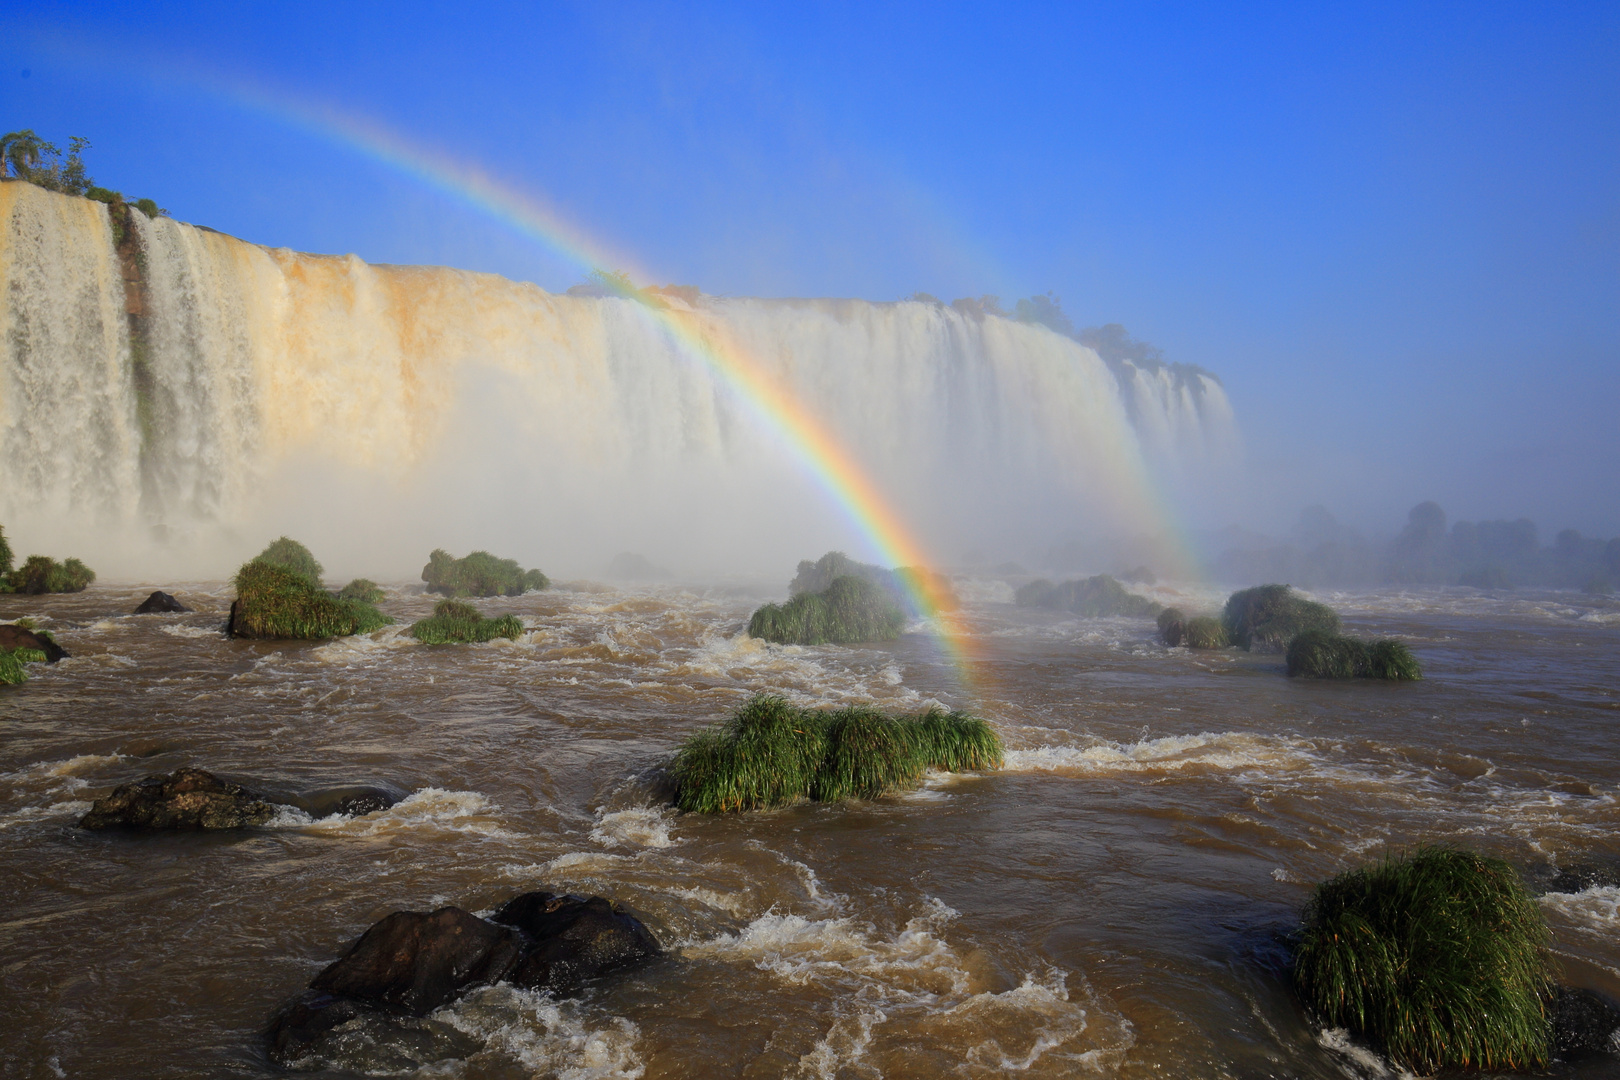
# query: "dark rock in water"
[[1577, 877], [14, 637], [353, 800], [184, 799], [415, 962], [317, 1029], [159, 603], [370, 1006], [1584, 1023], [574, 938]]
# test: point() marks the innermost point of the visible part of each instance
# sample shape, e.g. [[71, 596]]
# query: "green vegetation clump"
[[1197, 632], [455, 622], [363, 589], [12, 672], [1438, 958], [479, 574], [1093, 597], [1270, 616], [1317, 654], [291, 555], [6, 558], [918, 590], [41, 574], [273, 601], [771, 754], [850, 610]]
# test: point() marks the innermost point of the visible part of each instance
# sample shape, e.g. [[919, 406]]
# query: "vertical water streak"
[[67, 405]]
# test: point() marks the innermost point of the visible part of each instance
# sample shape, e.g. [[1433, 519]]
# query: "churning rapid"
[[369, 409]]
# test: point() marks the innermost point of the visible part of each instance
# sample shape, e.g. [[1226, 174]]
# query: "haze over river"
[[1113, 902]]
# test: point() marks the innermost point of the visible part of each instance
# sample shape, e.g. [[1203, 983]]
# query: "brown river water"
[[1114, 902]]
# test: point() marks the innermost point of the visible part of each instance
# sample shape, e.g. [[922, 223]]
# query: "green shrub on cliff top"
[[1316, 654], [770, 754], [455, 622], [851, 610], [41, 574], [1093, 597], [291, 555], [1437, 958], [1270, 616], [273, 601], [479, 574]]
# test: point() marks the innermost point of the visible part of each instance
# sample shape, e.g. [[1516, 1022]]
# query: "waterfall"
[[377, 411]]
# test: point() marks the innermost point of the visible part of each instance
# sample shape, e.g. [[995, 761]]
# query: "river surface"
[[1114, 902]]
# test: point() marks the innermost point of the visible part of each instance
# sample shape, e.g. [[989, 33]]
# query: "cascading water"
[[376, 411]]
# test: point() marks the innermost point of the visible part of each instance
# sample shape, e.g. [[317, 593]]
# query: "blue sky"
[[1393, 231]]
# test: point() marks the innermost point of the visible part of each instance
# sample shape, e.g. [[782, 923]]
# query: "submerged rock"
[[353, 800], [1585, 1023], [159, 603], [183, 799], [14, 637], [373, 1002]]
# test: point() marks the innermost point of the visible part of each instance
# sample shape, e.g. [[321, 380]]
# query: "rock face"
[[183, 799], [13, 637], [410, 963], [1585, 1024], [159, 603]]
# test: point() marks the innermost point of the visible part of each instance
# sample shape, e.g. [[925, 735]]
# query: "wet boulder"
[[352, 800], [1585, 1024], [160, 603], [183, 799], [573, 938], [316, 1030], [415, 962], [14, 637]]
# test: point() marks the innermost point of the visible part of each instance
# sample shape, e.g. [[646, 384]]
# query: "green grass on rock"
[[454, 622], [1438, 958], [1268, 617], [273, 601], [1317, 654], [1093, 597], [479, 574], [850, 610]]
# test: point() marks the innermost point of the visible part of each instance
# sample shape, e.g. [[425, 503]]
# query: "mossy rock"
[[454, 622], [479, 574], [1317, 654], [1093, 597], [273, 601], [1268, 617], [1437, 958], [849, 611], [771, 753]]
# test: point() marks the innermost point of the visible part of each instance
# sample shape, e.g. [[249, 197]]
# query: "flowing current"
[[368, 410]]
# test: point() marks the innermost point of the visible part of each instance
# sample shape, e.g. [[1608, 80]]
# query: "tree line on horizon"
[[27, 157]]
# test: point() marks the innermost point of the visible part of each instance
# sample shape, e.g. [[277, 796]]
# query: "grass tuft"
[[12, 672], [273, 601], [291, 555], [41, 574], [1317, 654], [362, 589], [479, 574], [852, 609], [1268, 617], [1093, 597], [1198, 632], [771, 753], [1438, 958], [453, 622]]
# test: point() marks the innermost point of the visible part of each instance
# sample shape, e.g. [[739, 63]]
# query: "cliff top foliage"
[[848, 611], [917, 590], [1093, 597], [291, 555], [770, 753], [479, 574], [25, 156], [1270, 616], [1317, 654], [274, 601], [1439, 958], [454, 622]]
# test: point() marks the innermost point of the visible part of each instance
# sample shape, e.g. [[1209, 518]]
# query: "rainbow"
[[806, 437]]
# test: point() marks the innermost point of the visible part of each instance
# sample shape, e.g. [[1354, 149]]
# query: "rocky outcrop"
[[13, 637], [159, 603], [411, 963], [353, 800], [1585, 1024], [183, 799]]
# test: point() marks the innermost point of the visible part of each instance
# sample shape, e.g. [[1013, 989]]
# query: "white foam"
[[1365, 1061], [564, 1039], [27, 814], [640, 826], [183, 631], [1596, 910], [1226, 750], [429, 808]]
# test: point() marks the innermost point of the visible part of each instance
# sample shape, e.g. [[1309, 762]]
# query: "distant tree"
[[1047, 311], [614, 281], [21, 150]]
